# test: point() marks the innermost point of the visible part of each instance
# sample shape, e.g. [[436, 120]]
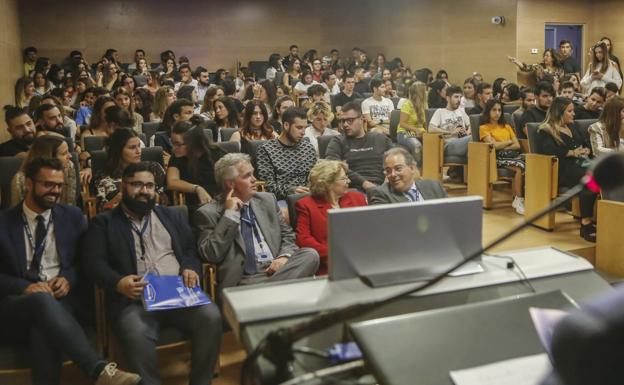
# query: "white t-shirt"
[[312, 135], [448, 120], [378, 109]]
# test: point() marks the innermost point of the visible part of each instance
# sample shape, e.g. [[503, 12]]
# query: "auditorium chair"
[[395, 116], [94, 143], [226, 133], [395, 101], [510, 108], [291, 200], [208, 134], [149, 129], [483, 172], [433, 156], [323, 142], [279, 78], [609, 241], [258, 68], [9, 166], [428, 115]]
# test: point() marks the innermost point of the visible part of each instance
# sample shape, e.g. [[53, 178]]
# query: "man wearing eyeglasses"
[[404, 183], [125, 243], [38, 252], [362, 151]]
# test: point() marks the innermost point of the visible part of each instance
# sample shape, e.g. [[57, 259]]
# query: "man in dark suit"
[[37, 277], [244, 233], [404, 183], [137, 237]]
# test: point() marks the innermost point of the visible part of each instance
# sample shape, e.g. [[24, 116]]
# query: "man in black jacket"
[[135, 238]]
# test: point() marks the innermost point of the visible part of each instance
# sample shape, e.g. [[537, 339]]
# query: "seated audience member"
[[49, 121], [321, 117], [186, 77], [330, 82], [143, 103], [346, 95], [329, 187], [495, 130], [275, 66], [484, 93], [264, 92], [207, 109], [593, 105], [363, 151], [453, 123], [203, 82], [191, 169], [511, 95], [123, 148], [285, 162], [558, 136], [376, 109], [83, 115], [470, 93], [189, 93], [68, 123], [229, 89], [281, 104], [527, 99], [412, 120], [436, 97], [497, 88], [255, 124], [316, 93], [301, 88], [180, 110], [244, 234], [123, 99], [162, 100], [544, 94], [97, 126], [37, 297], [404, 183], [47, 146], [566, 90], [606, 135], [611, 90], [601, 69], [42, 84], [292, 77], [361, 83], [226, 113], [22, 130], [159, 241]]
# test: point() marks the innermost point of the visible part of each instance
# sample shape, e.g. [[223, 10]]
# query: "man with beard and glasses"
[[22, 130], [120, 247], [38, 252], [285, 163], [49, 121]]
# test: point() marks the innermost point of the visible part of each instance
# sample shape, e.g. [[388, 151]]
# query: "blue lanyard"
[[37, 251], [140, 233], [251, 220]]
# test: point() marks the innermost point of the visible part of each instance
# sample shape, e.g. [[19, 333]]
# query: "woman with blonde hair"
[[558, 136], [412, 120], [601, 70], [163, 99], [607, 134], [321, 117], [24, 91], [329, 188]]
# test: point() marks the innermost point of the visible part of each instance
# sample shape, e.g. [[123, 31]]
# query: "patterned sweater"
[[284, 168]]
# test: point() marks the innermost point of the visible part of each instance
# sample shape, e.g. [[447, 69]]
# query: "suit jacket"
[[219, 240], [69, 225], [312, 221], [109, 253], [429, 189]]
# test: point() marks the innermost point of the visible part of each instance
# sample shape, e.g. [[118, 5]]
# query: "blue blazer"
[[69, 225], [109, 254]]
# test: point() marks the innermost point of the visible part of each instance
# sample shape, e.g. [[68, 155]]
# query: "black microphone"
[[277, 345]]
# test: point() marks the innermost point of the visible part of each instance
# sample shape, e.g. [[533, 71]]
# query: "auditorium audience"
[[281, 104], [143, 103], [329, 187], [244, 234], [550, 65], [376, 109], [568, 62], [22, 130], [97, 125], [207, 109], [403, 183], [611, 90], [437, 94], [470, 94], [117, 117], [42, 84], [123, 99], [191, 168], [361, 83], [607, 134], [495, 130], [320, 116], [601, 69], [294, 73], [412, 120], [484, 93], [49, 121], [612, 57], [558, 136], [83, 115], [346, 95], [24, 91], [47, 146], [255, 125], [160, 242], [226, 113], [497, 87], [275, 66], [544, 94], [30, 58], [593, 105], [361, 150], [38, 303], [186, 77], [527, 100], [179, 111], [162, 100], [68, 122]]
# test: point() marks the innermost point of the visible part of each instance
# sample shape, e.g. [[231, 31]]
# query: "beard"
[[44, 203], [137, 206]]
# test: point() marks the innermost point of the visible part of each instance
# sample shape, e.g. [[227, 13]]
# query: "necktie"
[[40, 234], [247, 233], [413, 194]]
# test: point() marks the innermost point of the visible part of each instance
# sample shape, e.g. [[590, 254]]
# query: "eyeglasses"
[[50, 185], [349, 121], [396, 169], [140, 185]]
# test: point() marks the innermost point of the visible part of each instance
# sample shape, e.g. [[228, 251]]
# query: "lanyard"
[[37, 251], [251, 220], [140, 234]]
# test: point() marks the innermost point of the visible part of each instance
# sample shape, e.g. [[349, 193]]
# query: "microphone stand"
[[277, 345]]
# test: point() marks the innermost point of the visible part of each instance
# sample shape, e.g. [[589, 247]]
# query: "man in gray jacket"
[[244, 233], [403, 181]]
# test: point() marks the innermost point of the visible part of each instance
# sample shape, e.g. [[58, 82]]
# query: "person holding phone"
[[601, 70]]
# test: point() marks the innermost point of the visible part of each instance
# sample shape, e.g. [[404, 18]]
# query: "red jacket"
[[312, 222]]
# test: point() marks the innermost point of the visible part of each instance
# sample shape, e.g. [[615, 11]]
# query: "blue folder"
[[168, 292]]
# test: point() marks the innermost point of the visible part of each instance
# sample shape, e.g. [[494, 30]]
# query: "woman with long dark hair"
[[256, 124], [42, 84], [549, 65], [437, 94], [607, 134], [275, 66], [226, 114], [601, 70], [207, 109]]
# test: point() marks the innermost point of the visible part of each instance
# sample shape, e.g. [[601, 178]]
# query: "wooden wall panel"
[[10, 52]]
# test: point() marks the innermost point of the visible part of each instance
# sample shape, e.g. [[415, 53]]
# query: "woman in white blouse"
[[607, 134], [601, 70]]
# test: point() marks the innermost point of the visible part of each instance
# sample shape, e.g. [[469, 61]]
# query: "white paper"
[[529, 370], [545, 321]]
